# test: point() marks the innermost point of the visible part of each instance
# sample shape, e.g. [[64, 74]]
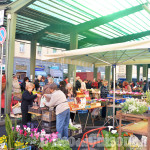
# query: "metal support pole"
[[114, 66], [72, 68], [1, 80], [10, 47]]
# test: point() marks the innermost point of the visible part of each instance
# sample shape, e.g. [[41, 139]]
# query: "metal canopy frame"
[[96, 22]]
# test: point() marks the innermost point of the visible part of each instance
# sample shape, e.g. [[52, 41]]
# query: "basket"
[[35, 109], [48, 115], [16, 109]]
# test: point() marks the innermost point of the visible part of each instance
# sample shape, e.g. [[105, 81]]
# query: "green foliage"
[[10, 133], [148, 97], [57, 145]]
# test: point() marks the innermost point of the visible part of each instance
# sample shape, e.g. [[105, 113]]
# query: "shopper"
[[46, 87], [66, 80], [37, 82], [83, 85], [78, 83], [99, 83], [59, 101], [95, 84], [23, 84], [88, 84], [104, 92], [27, 100], [62, 85], [70, 93], [42, 83], [16, 88], [16, 85], [46, 80], [126, 87], [145, 86]]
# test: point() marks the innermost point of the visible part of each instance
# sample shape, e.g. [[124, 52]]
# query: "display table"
[[141, 127], [38, 117], [126, 94], [89, 113]]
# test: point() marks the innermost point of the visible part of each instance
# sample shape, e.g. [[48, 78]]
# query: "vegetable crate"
[[48, 115], [74, 132]]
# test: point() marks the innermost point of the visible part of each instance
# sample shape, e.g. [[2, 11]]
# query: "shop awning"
[[135, 52]]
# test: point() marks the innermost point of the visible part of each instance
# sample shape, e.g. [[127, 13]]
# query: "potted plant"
[[111, 138]]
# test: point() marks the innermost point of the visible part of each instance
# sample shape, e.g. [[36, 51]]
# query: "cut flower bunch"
[[134, 106]]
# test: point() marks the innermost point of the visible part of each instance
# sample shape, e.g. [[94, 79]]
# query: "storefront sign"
[[1, 17], [21, 67], [54, 67], [39, 68]]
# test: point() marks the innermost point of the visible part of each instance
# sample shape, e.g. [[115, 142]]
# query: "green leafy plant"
[[148, 97], [57, 145], [10, 132]]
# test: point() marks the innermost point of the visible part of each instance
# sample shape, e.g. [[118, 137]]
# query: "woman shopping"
[[27, 100], [59, 101]]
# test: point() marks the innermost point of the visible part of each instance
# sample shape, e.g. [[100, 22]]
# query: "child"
[[27, 100]]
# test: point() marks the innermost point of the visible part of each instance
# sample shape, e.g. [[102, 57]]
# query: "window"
[[22, 47], [39, 50], [54, 50], [47, 51]]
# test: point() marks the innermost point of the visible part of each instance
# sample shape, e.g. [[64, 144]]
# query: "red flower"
[[25, 133]]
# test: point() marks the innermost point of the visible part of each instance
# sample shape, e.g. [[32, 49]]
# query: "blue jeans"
[[62, 123]]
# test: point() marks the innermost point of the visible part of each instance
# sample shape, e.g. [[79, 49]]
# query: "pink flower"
[[46, 142], [24, 126], [35, 129], [31, 135], [56, 132], [50, 140], [21, 131], [12, 128], [47, 136], [42, 130], [41, 139], [32, 130], [36, 135]]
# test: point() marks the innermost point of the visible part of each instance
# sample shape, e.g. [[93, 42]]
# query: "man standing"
[[78, 83], [59, 101]]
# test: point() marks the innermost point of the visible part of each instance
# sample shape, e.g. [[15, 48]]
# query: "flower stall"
[[18, 138], [134, 111]]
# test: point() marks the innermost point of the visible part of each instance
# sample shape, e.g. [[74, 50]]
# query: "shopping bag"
[[43, 101]]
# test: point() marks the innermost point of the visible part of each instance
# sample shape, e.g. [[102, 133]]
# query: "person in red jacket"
[[95, 84], [3, 94]]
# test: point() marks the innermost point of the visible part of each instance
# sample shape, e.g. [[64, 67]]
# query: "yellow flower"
[[26, 143]]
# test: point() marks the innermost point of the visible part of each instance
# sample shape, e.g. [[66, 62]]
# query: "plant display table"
[[138, 125]]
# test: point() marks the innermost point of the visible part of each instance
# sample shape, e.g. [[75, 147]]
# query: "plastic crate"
[[48, 124], [82, 111], [127, 96], [120, 101]]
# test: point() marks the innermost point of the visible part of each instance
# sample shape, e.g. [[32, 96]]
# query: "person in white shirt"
[[59, 101], [83, 85]]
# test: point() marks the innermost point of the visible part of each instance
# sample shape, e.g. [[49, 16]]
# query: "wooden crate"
[[48, 115]]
